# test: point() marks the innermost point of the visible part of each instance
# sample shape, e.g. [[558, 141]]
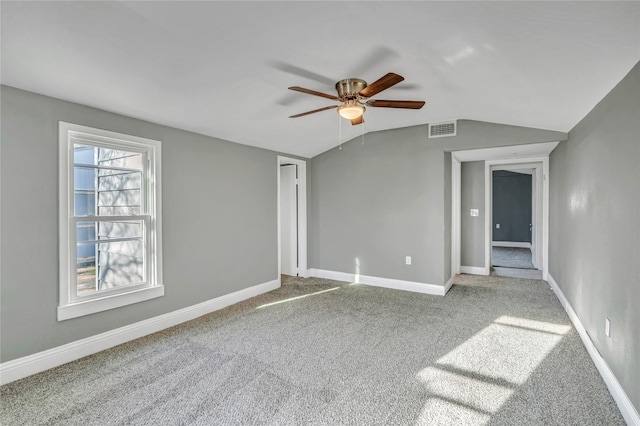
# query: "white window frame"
[[71, 306]]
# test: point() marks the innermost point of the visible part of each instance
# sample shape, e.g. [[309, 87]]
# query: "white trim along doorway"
[[529, 156], [301, 207]]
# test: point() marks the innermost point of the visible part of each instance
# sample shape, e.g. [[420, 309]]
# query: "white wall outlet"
[[475, 212], [407, 260], [497, 226], [607, 327]]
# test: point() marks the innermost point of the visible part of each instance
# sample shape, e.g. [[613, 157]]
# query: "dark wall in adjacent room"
[[511, 206]]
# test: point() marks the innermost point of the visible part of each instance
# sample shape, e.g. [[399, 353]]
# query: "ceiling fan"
[[354, 94]]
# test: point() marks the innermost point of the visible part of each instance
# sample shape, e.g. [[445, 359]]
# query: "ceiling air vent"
[[440, 130]]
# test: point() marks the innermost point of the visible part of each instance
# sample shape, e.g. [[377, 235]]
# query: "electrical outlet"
[[407, 260], [497, 226], [607, 327], [475, 212]]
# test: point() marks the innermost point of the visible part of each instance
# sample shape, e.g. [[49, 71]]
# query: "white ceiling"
[[222, 68]]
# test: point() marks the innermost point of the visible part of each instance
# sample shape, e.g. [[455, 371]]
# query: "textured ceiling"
[[222, 68]]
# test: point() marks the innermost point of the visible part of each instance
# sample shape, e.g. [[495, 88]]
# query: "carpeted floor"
[[511, 257], [495, 350]]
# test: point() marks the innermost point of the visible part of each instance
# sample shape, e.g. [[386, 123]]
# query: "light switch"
[[497, 226], [475, 212]]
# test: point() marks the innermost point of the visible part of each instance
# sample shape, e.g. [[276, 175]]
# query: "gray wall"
[[511, 193], [595, 227], [385, 200], [472, 248], [219, 221]]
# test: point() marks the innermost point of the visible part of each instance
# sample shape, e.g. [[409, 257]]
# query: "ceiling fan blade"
[[314, 111], [381, 84], [396, 104], [357, 120], [313, 92], [375, 56], [301, 72]]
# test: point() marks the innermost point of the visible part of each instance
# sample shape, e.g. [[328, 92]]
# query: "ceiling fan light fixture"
[[350, 110]]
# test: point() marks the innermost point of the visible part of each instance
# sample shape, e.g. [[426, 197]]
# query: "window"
[[110, 227]]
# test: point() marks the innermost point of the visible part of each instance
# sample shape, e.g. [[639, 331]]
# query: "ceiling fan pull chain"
[[339, 133], [363, 133]]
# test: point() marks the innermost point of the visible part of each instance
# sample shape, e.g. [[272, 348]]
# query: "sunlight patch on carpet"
[[477, 377], [291, 299]]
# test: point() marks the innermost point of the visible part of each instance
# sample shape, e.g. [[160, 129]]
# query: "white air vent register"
[[445, 128]]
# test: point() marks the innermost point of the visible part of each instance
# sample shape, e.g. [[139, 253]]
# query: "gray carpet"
[[511, 257], [495, 350]]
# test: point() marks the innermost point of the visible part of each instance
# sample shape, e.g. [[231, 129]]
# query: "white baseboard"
[[625, 405], [474, 270], [41, 361], [510, 244], [413, 286]]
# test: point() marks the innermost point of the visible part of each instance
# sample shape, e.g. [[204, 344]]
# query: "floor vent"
[[440, 130]]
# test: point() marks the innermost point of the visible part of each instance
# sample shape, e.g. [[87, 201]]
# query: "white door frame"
[[541, 166], [516, 154], [302, 214], [536, 219], [456, 211]]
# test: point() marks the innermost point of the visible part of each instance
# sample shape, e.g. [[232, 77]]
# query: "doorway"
[[515, 229], [511, 156], [292, 217], [512, 193]]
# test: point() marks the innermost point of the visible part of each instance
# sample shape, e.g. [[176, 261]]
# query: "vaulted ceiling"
[[222, 68]]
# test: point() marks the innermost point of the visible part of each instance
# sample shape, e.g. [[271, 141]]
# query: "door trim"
[[302, 214], [509, 154], [456, 187]]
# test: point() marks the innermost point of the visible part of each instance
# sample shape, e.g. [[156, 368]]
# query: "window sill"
[[78, 309]]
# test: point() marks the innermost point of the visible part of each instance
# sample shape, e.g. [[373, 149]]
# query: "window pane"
[[84, 178], [121, 229], [120, 264], [86, 271], [101, 188], [109, 180], [91, 231], [119, 193], [119, 158], [86, 260], [109, 255], [84, 203], [108, 157], [85, 231], [84, 154], [84, 195]]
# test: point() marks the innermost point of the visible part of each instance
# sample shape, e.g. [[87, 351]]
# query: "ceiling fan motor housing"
[[349, 87]]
